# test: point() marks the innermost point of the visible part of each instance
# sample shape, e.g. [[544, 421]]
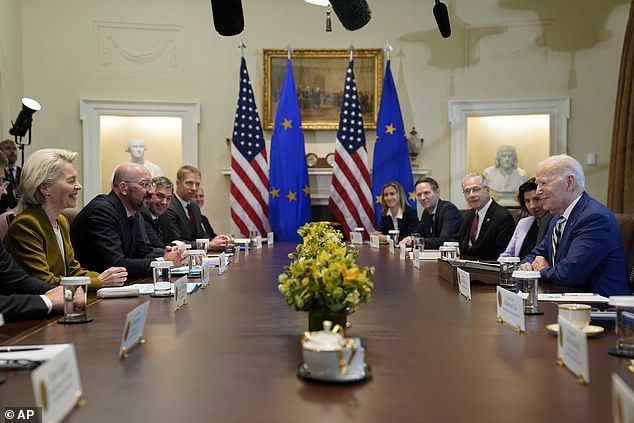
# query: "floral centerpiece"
[[323, 277]]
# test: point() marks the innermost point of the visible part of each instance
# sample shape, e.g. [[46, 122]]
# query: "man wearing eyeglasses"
[[109, 231], [156, 206], [487, 227]]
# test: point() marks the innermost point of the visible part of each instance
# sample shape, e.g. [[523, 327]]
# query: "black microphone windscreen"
[[353, 14], [442, 19], [228, 16]]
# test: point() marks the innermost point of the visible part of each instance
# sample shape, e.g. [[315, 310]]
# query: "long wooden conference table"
[[231, 355]]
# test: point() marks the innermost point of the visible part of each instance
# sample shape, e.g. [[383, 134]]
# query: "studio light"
[[23, 122], [442, 19]]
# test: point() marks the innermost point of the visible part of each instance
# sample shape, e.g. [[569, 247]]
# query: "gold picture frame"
[[319, 79]]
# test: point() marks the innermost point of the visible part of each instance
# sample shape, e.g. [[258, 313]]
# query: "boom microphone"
[[228, 16], [353, 14], [442, 19]]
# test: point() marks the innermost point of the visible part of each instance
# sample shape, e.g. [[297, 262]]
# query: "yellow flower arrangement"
[[323, 274]]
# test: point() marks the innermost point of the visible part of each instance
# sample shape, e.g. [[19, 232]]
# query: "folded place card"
[[270, 238], [180, 293], [222, 262], [356, 238], [510, 309], [258, 242], [572, 349], [133, 329], [622, 400], [416, 258], [464, 283], [56, 385], [374, 241]]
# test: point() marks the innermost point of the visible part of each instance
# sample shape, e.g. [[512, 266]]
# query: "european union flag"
[[289, 194], [391, 157]]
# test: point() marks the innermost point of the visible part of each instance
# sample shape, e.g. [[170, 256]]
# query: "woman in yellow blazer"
[[39, 236]]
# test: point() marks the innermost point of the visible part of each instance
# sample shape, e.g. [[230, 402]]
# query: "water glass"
[[162, 275], [201, 244], [453, 253], [624, 325], [507, 266], [196, 263], [526, 282], [75, 290], [393, 234]]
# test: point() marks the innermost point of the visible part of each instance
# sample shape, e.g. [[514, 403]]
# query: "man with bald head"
[[109, 231], [582, 247]]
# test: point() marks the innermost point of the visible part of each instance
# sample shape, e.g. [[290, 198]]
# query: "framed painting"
[[319, 79]]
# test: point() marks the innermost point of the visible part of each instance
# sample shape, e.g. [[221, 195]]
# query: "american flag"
[[350, 194], [249, 167]]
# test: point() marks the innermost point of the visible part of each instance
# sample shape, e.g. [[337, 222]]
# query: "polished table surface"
[[232, 353]]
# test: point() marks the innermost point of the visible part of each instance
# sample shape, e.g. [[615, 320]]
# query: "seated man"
[[440, 218], [156, 206], [199, 200], [182, 220], [108, 231], [582, 247], [488, 227]]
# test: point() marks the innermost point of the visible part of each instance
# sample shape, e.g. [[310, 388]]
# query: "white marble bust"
[[136, 148], [505, 177]]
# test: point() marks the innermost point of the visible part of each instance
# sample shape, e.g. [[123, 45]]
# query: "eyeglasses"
[[475, 190], [145, 184], [19, 364]]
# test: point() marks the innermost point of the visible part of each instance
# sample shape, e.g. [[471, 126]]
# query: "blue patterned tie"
[[557, 236]]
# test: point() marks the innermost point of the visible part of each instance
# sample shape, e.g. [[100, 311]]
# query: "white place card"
[[622, 401], [402, 253], [56, 385], [237, 254], [374, 241], [356, 238], [258, 242], [416, 258], [270, 238], [464, 283], [572, 349], [180, 293], [510, 309], [133, 329], [223, 262], [390, 245]]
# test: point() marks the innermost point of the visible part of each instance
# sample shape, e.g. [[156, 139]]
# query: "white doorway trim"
[[91, 110], [557, 107]]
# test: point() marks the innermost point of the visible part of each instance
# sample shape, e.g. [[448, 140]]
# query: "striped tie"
[[557, 236]]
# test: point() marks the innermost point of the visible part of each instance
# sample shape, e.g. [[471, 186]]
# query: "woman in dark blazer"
[[396, 212]]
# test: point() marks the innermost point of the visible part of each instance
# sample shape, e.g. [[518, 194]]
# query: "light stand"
[[23, 122]]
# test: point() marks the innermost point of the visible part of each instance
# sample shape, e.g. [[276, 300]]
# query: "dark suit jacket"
[[176, 224], [207, 227], [590, 254], [19, 292], [152, 236], [406, 225], [9, 200], [447, 220], [103, 237], [495, 233]]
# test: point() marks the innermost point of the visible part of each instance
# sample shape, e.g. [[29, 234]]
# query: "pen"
[[16, 349]]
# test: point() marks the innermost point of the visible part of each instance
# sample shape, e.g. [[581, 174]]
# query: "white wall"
[[496, 51]]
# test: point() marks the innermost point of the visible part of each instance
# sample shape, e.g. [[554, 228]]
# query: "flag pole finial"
[[242, 46], [289, 50], [351, 50], [388, 50]]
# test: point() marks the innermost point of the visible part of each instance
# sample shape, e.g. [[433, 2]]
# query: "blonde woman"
[[39, 236], [396, 213]]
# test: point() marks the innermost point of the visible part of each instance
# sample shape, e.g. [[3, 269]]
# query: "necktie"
[[192, 221], [557, 235], [474, 228], [157, 228], [12, 176], [431, 228]]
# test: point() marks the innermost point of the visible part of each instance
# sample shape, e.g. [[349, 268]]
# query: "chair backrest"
[[70, 214], [5, 220], [626, 224]]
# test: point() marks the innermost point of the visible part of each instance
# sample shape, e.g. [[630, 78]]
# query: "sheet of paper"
[[581, 297], [148, 288]]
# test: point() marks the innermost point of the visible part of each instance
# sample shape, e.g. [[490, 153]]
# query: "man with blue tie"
[[582, 247]]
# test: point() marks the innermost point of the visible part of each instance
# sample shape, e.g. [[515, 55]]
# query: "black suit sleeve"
[[409, 222], [22, 307], [449, 220]]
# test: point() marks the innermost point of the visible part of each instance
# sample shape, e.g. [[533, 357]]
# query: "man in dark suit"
[[156, 206], [12, 173], [108, 231], [440, 219], [199, 199], [182, 220], [582, 247], [487, 227]]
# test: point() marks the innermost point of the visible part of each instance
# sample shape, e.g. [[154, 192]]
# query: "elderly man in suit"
[[582, 247], [440, 219], [487, 227], [182, 220], [109, 231]]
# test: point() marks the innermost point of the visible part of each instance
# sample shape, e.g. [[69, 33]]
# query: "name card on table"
[[464, 283], [374, 241], [180, 293], [416, 258], [622, 400], [510, 309], [258, 242], [572, 349], [270, 238], [133, 329], [356, 238], [56, 385], [390, 245], [222, 262]]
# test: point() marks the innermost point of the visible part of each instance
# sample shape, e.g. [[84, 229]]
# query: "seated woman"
[[529, 230], [39, 236], [395, 212]]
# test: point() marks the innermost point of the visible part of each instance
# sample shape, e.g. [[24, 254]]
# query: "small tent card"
[[133, 329], [258, 242], [374, 241], [464, 283], [622, 400], [572, 349], [180, 293], [270, 238], [416, 258], [56, 384], [223, 262], [510, 309], [356, 238]]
